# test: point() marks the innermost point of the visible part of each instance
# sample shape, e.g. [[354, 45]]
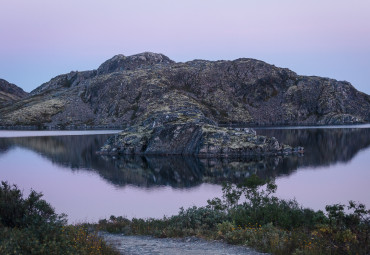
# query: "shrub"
[[192, 221], [31, 226], [258, 206], [15, 211], [284, 227], [249, 214], [198, 217]]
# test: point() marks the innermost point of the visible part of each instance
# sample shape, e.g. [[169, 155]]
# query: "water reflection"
[[322, 147]]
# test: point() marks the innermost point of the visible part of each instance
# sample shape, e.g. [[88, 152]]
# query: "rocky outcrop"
[[125, 91], [10, 92], [63, 82], [139, 61], [191, 133]]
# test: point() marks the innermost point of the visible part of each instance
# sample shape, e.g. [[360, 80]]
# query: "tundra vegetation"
[[246, 214], [31, 226], [249, 214]]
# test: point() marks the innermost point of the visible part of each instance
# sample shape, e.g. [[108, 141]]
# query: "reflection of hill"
[[70, 151], [179, 171], [322, 147], [4, 146]]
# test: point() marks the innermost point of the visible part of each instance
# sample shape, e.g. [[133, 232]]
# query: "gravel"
[[142, 245]]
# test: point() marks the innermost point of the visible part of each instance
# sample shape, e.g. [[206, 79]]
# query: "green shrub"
[[258, 206], [249, 214], [192, 221], [31, 226], [284, 227], [16, 211], [199, 217]]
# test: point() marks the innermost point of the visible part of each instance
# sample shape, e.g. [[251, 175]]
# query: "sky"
[[40, 39]]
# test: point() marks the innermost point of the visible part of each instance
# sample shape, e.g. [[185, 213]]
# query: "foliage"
[[31, 226], [258, 206], [284, 227], [18, 212], [248, 214], [201, 221]]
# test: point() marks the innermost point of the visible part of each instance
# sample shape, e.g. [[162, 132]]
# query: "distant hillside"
[[128, 89], [10, 92]]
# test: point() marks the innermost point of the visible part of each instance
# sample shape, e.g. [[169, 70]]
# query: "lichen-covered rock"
[[186, 133]]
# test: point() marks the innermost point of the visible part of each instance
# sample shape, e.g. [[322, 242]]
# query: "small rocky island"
[[186, 132]]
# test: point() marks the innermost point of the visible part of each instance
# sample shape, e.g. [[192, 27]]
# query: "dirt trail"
[[145, 245]]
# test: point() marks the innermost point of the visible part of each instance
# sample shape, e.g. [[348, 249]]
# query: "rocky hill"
[[125, 91], [10, 92]]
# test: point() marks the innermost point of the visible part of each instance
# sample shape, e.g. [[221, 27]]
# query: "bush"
[[192, 221], [248, 214], [199, 217], [31, 226], [284, 227], [15, 211]]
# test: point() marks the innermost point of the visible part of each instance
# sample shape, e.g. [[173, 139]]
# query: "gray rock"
[[126, 90], [189, 133], [122, 63]]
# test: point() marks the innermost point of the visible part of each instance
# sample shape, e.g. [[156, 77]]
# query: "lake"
[[88, 187]]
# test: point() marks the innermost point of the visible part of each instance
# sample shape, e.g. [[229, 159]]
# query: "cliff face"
[[127, 90], [10, 92]]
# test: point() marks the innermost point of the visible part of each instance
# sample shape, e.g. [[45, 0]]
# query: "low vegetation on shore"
[[31, 226], [249, 214]]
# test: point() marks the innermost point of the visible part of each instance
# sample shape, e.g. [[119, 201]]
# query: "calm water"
[[63, 166]]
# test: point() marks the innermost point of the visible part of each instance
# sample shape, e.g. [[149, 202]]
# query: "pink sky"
[[40, 39]]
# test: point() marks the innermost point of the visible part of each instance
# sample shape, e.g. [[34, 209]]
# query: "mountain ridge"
[[10, 92], [126, 90]]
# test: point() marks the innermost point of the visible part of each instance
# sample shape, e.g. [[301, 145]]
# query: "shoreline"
[[233, 125]]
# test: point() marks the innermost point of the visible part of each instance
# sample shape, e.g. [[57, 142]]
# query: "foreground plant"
[[31, 226], [249, 214]]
